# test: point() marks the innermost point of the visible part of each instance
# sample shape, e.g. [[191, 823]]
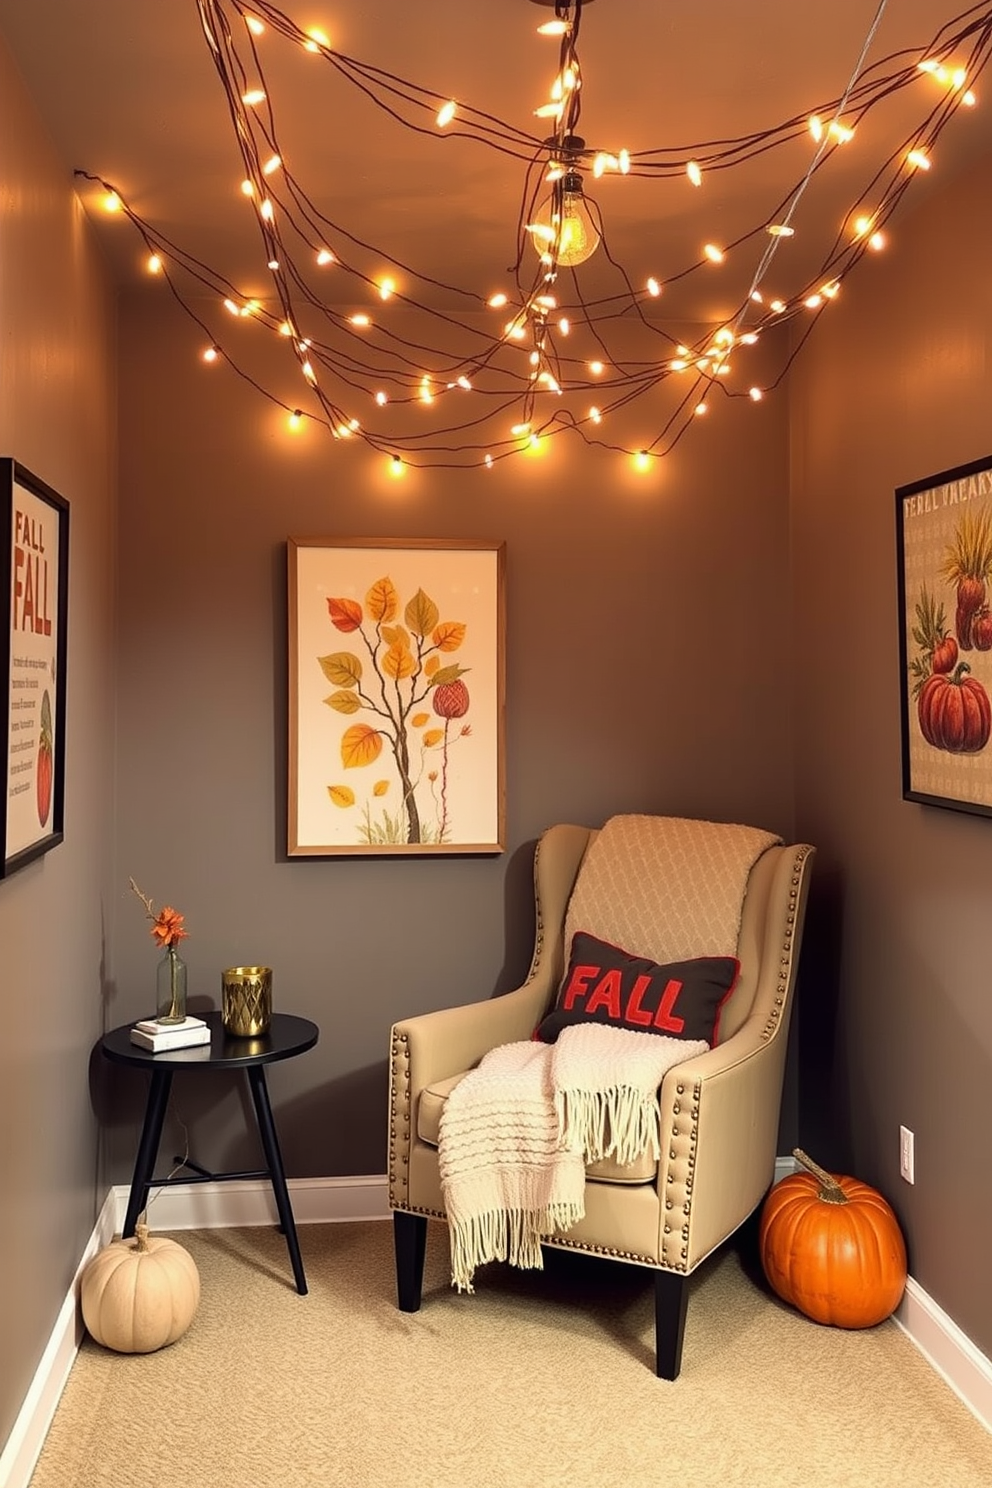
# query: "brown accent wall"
[[57, 418], [896, 1017], [647, 636]]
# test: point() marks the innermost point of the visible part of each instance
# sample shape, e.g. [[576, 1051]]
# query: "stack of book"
[[157, 1037]]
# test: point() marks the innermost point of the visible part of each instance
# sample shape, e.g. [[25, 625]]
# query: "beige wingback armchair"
[[719, 1110]]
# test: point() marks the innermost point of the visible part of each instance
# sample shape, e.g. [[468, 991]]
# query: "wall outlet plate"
[[907, 1154]]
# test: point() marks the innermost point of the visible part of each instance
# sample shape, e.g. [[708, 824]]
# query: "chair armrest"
[[719, 1132], [446, 1042]]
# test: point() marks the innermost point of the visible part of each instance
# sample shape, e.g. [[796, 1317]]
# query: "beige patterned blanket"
[[517, 1131]]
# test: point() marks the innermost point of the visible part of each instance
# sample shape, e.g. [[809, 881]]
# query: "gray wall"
[[639, 677], [897, 1025], [57, 418]]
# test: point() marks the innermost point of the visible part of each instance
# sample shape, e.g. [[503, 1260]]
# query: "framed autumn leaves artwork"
[[395, 696], [944, 551], [34, 554]]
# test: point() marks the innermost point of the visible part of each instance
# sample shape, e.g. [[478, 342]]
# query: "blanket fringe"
[[620, 1123], [505, 1235]]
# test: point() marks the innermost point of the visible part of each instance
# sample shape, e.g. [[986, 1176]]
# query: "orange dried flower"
[[167, 925]]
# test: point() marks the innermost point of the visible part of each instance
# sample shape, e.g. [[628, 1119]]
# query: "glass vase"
[[171, 985]]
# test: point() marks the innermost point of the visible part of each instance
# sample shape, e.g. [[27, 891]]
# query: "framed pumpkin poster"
[[395, 696], [944, 550], [34, 553]]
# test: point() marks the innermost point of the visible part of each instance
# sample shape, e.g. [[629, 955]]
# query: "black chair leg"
[[410, 1243], [671, 1297]]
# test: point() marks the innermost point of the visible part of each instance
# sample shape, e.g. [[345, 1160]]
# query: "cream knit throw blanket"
[[517, 1131]]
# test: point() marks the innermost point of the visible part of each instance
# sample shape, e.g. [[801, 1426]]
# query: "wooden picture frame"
[[396, 696], [34, 555], [944, 567]]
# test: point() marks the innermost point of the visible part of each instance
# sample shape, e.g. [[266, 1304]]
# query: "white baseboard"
[[329, 1200], [249, 1201], [182, 1207], [950, 1352], [20, 1453]]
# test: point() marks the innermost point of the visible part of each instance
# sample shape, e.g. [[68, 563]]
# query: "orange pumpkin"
[[832, 1247]]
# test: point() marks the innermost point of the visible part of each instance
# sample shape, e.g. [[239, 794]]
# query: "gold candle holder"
[[246, 1000]]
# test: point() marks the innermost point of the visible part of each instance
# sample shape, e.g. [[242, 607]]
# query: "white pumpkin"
[[139, 1295]]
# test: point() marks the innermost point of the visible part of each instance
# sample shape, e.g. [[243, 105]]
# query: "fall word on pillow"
[[604, 985]]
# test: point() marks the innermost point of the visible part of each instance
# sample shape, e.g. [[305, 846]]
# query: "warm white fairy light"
[[295, 419], [396, 466], [642, 461], [876, 242], [211, 353], [755, 394], [533, 322], [154, 264], [317, 40], [112, 202], [553, 28], [595, 415]]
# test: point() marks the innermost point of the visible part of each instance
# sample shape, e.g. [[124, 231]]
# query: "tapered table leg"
[[151, 1133], [270, 1146]]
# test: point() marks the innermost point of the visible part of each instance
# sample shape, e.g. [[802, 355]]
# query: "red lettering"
[[607, 994], [578, 984], [27, 611], [19, 556], [664, 1018], [633, 1012], [46, 619]]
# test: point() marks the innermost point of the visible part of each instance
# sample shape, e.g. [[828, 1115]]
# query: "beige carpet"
[[538, 1380]]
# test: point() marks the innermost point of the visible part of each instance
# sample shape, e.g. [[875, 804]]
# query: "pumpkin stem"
[[831, 1191], [141, 1235]]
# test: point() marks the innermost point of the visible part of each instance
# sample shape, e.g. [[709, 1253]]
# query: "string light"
[[335, 364]]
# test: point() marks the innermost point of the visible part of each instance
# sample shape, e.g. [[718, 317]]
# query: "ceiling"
[[131, 95], [129, 92]]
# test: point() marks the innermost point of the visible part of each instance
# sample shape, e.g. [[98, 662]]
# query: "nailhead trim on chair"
[[399, 1096], [785, 961]]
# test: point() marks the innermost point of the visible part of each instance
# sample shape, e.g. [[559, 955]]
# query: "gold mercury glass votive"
[[246, 1000]]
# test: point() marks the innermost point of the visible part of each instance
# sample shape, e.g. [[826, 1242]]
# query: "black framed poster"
[[34, 554], [944, 558]]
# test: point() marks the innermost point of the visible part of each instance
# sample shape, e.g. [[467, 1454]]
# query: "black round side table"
[[287, 1036]]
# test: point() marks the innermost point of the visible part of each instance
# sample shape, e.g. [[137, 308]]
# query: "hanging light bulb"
[[564, 231]]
